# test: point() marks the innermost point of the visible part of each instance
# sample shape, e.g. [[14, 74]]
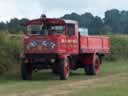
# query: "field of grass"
[[106, 88], [113, 85], [112, 81]]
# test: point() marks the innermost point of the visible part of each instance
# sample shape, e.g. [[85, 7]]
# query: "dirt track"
[[73, 86]]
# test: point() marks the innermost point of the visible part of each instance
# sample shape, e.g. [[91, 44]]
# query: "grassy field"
[[112, 81]]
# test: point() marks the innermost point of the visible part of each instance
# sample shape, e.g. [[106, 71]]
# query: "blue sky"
[[56, 8]]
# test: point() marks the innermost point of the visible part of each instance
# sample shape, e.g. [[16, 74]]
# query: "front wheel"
[[64, 68], [26, 71], [93, 69]]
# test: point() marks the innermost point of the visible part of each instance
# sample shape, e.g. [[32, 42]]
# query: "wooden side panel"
[[92, 44]]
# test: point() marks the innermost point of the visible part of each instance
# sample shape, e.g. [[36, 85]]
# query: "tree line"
[[114, 22], [14, 26]]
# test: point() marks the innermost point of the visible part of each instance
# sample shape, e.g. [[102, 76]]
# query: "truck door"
[[72, 39]]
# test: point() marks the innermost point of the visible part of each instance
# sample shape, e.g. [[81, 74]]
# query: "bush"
[[119, 48], [10, 49]]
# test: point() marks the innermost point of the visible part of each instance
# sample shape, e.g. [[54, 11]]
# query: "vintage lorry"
[[57, 44]]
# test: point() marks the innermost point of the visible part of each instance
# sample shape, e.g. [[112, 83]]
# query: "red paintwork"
[[48, 20], [94, 44], [66, 68], [87, 59], [97, 66], [65, 44]]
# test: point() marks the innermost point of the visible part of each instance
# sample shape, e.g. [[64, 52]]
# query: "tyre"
[[26, 71], [64, 68], [55, 69], [93, 69]]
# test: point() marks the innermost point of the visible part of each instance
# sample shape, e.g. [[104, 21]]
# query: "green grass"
[[42, 81], [116, 89]]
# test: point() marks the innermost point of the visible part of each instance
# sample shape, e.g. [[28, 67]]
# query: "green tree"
[[3, 26], [97, 25], [112, 18], [15, 25]]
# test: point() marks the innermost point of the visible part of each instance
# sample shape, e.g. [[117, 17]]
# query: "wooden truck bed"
[[92, 44]]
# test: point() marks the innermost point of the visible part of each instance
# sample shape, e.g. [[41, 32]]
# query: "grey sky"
[[56, 8]]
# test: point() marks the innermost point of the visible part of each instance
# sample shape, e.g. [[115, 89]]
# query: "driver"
[[44, 30]]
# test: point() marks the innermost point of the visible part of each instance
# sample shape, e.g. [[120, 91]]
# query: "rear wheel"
[[93, 69], [26, 71], [64, 68]]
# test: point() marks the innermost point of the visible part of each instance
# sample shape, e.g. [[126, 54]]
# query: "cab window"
[[46, 30], [34, 29], [71, 29]]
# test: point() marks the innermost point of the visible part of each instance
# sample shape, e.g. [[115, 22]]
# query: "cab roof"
[[52, 21]]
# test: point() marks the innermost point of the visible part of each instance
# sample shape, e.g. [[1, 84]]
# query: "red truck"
[[57, 44]]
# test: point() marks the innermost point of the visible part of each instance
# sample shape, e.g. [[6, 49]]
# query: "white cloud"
[[98, 7], [56, 8], [15, 8]]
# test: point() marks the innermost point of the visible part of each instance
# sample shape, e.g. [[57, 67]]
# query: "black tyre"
[[55, 69], [64, 69], [26, 71], [93, 69]]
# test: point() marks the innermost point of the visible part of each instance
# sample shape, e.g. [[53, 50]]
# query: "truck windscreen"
[[46, 30]]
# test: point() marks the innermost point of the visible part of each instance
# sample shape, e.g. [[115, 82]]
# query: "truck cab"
[[57, 44], [51, 36]]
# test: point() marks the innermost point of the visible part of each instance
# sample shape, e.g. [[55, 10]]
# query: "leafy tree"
[[22, 22], [106, 29], [3, 26], [15, 25], [97, 25], [112, 18], [86, 20], [73, 16]]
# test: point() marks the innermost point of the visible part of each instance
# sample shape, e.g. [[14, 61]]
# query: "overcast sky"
[[56, 8]]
